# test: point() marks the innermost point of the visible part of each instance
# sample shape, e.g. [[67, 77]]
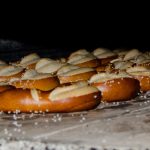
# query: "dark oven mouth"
[[12, 49]]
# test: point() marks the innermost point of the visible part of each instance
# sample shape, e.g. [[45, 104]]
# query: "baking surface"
[[117, 125]]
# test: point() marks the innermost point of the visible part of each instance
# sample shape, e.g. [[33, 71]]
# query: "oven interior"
[[105, 126]]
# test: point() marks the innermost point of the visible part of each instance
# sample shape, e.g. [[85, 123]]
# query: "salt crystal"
[[16, 124], [36, 112], [6, 131], [19, 130], [145, 102], [54, 119], [9, 112], [15, 129], [23, 117], [82, 118], [30, 111], [10, 134], [47, 110], [109, 119], [14, 117], [23, 132], [17, 111], [31, 115], [35, 123], [43, 113], [95, 96], [127, 110], [103, 140], [1, 112], [46, 120], [59, 119]]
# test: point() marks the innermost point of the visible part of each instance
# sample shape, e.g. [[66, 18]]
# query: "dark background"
[[81, 39], [56, 30], [79, 34], [60, 41]]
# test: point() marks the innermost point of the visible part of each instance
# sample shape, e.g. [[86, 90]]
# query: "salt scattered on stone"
[[31, 115], [47, 110], [41, 111], [23, 117], [36, 112], [46, 120], [148, 101], [82, 118], [108, 119], [1, 112], [9, 134], [137, 116], [57, 118], [15, 129], [23, 132], [103, 141], [127, 110], [14, 117], [5, 131], [17, 124], [17, 111], [54, 119], [145, 102], [36, 123], [9, 112], [19, 130]]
